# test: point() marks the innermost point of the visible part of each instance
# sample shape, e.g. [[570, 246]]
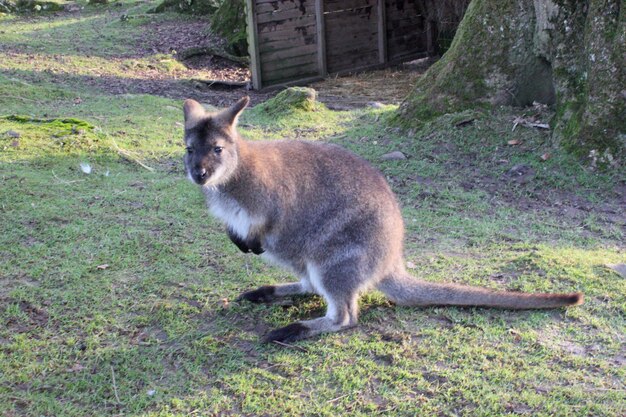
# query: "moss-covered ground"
[[116, 287]]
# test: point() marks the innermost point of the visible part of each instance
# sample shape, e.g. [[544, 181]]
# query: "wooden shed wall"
[[287, 42], [293, 40], [351, 29]]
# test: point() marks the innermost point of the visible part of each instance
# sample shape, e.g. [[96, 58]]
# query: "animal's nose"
[[202, 172]]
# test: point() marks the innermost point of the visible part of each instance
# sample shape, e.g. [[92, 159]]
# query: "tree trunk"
[[566, 53]]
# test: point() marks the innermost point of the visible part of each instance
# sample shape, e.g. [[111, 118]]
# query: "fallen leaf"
[[514, 142], [103, 266], [545, 156], [225, 302]]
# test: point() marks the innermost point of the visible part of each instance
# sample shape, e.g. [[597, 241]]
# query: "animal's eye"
[[189, 149], [217, 150]]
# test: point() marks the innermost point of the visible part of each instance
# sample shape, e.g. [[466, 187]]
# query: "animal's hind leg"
[[341, 295], [268, 293]]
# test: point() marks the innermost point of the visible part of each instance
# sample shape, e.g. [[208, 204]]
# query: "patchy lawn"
[[116, 285]]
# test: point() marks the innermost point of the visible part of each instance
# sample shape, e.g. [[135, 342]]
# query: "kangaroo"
[[323, 213]]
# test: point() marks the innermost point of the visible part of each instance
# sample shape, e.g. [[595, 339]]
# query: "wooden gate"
[[293, 41]]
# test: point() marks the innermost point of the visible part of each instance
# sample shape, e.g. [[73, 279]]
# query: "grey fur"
[[325, 214]]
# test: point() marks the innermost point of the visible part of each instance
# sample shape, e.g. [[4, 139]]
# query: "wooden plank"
[[431, 36], [347, 27], [349, 16], [285, 31], [348, 49], [253, 47], [288, 83], [288, 24], [382, 32], [284, 15], [367, 43], [275, 6], [294, 42], [288, 63], [291, 73], [331, 6], [288, 53], [321, 37], [304, 61], [347, 62], [340, 34]]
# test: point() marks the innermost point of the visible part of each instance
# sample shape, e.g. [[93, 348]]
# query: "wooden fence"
[[302, 40]]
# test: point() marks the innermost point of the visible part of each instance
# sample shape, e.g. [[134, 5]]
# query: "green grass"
[[115, 286]]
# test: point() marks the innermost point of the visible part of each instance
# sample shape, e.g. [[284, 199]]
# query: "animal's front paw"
[[257, 249], [290, 333], [262, 294]]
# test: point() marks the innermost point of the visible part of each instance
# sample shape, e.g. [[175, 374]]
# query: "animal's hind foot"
[[263, 294], [289, 333]]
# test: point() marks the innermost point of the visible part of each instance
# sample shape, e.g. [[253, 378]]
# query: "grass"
[[115, 286]]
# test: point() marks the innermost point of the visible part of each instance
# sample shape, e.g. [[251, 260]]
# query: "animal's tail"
[[403, 289]]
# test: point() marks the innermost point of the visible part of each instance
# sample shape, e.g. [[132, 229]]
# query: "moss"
[[464, 77], [27, 6], [504, 54], [69, 124], [289, 101], [47, 138], [229, 21], [590, 111]]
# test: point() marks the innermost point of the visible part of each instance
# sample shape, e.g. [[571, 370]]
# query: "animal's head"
[[211, 142]]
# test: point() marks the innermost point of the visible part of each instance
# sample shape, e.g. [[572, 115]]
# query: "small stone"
[[393, 156], [13, 134], [410, 265], [619, 268], [376, 104]]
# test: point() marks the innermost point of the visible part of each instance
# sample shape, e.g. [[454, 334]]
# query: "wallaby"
[[325, 214]]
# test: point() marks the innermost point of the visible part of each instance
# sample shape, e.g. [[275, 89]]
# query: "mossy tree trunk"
[[567, 53]]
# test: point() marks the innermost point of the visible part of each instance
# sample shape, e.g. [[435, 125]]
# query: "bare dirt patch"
[[370, 88]]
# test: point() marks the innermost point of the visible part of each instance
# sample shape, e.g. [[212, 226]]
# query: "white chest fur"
[[230, 212]]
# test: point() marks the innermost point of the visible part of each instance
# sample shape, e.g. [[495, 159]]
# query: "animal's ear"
[[229, 116], [194, 112]]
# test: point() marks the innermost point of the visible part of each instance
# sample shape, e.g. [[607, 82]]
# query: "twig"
[[117, 397], [338, 398], [387, 409], [287, 345], [225, 83], [65, 181], [129, 156]]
